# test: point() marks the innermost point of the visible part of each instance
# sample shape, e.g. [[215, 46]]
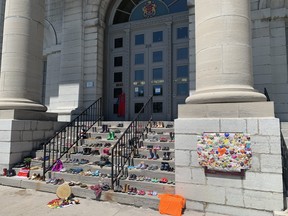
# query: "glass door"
[[150, 71]]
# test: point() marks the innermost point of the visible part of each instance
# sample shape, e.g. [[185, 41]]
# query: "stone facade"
[[74, 51], [74, 48]]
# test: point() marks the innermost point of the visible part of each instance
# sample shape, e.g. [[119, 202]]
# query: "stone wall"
[[269, 39], [259, 193], [19, 138]]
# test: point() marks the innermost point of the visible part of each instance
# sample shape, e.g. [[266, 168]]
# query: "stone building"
[[89, 47], [101, 48]]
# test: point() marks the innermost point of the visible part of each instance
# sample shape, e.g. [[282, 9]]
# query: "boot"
[[106, 129], [155, 157], [5, 172], [111, 136], [151, 155], [103, 129], [164, 155]]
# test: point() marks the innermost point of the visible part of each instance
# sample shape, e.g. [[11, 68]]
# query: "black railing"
[[68, 137], [128, 143], [284, 156], [266, 94]]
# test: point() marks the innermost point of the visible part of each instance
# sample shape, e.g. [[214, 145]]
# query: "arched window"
[[131, 10]]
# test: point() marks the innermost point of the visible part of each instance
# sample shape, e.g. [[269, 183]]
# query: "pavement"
[[29, 202]]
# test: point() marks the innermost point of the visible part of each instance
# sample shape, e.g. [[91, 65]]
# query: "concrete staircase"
[[82, 169]]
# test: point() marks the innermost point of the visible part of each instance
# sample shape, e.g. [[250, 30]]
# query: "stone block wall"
[[19, 138], [259, 193]]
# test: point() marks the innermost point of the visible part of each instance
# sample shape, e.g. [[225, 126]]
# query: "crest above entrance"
[[132, 10]]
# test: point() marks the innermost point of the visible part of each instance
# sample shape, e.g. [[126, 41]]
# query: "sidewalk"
[[27, 202]]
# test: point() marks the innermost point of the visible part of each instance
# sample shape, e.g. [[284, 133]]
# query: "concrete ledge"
[[123, 198], [227, 110], [28, 115]]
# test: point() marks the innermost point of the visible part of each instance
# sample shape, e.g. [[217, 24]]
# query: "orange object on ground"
[[171, 204]]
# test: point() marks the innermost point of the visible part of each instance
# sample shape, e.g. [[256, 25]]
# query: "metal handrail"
[[129, 142], [266, 94], [65, 139], [284, 156]]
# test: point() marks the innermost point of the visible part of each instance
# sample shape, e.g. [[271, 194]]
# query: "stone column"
[[21, 69], [223, 53]]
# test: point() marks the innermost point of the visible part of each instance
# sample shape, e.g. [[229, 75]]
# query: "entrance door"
[[150, 71], [148, 58]]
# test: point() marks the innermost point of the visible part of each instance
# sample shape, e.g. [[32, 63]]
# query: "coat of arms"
[[149, 10]]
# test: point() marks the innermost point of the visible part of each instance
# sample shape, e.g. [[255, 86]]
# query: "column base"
[[21, 104], [27, 115], [225, 96], [227, 110]]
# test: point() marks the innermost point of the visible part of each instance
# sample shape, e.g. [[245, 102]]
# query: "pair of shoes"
[[126, 188], [11, 173], [142, 165], [118, 188], [105, 187], [141, 192], [154, 180], [132, 191], [152, 193], [153, 167], [163, 139], [169, 125], [96, 173], [166, 156], [165, 148], [132, 177], [111, 135], [163, 180], [84, 186], [120, 125], [165, 166], [140, 178]]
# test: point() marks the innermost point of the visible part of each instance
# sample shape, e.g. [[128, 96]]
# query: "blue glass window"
[[157, 73], [157, 90], [182, 89], [139, 58], [157, 56], [157, 36], [139, 91], [139, 39], [139, 75], [182, 53], [182, 32], [182, 71]]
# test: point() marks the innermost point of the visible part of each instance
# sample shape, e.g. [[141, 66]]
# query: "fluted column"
[[223, 53], [21, 68]]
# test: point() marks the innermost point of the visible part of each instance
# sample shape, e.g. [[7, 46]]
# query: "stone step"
[[146, 152], [153, 173], [146, 200], [96, 137], [161, 144], [149, 162]]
